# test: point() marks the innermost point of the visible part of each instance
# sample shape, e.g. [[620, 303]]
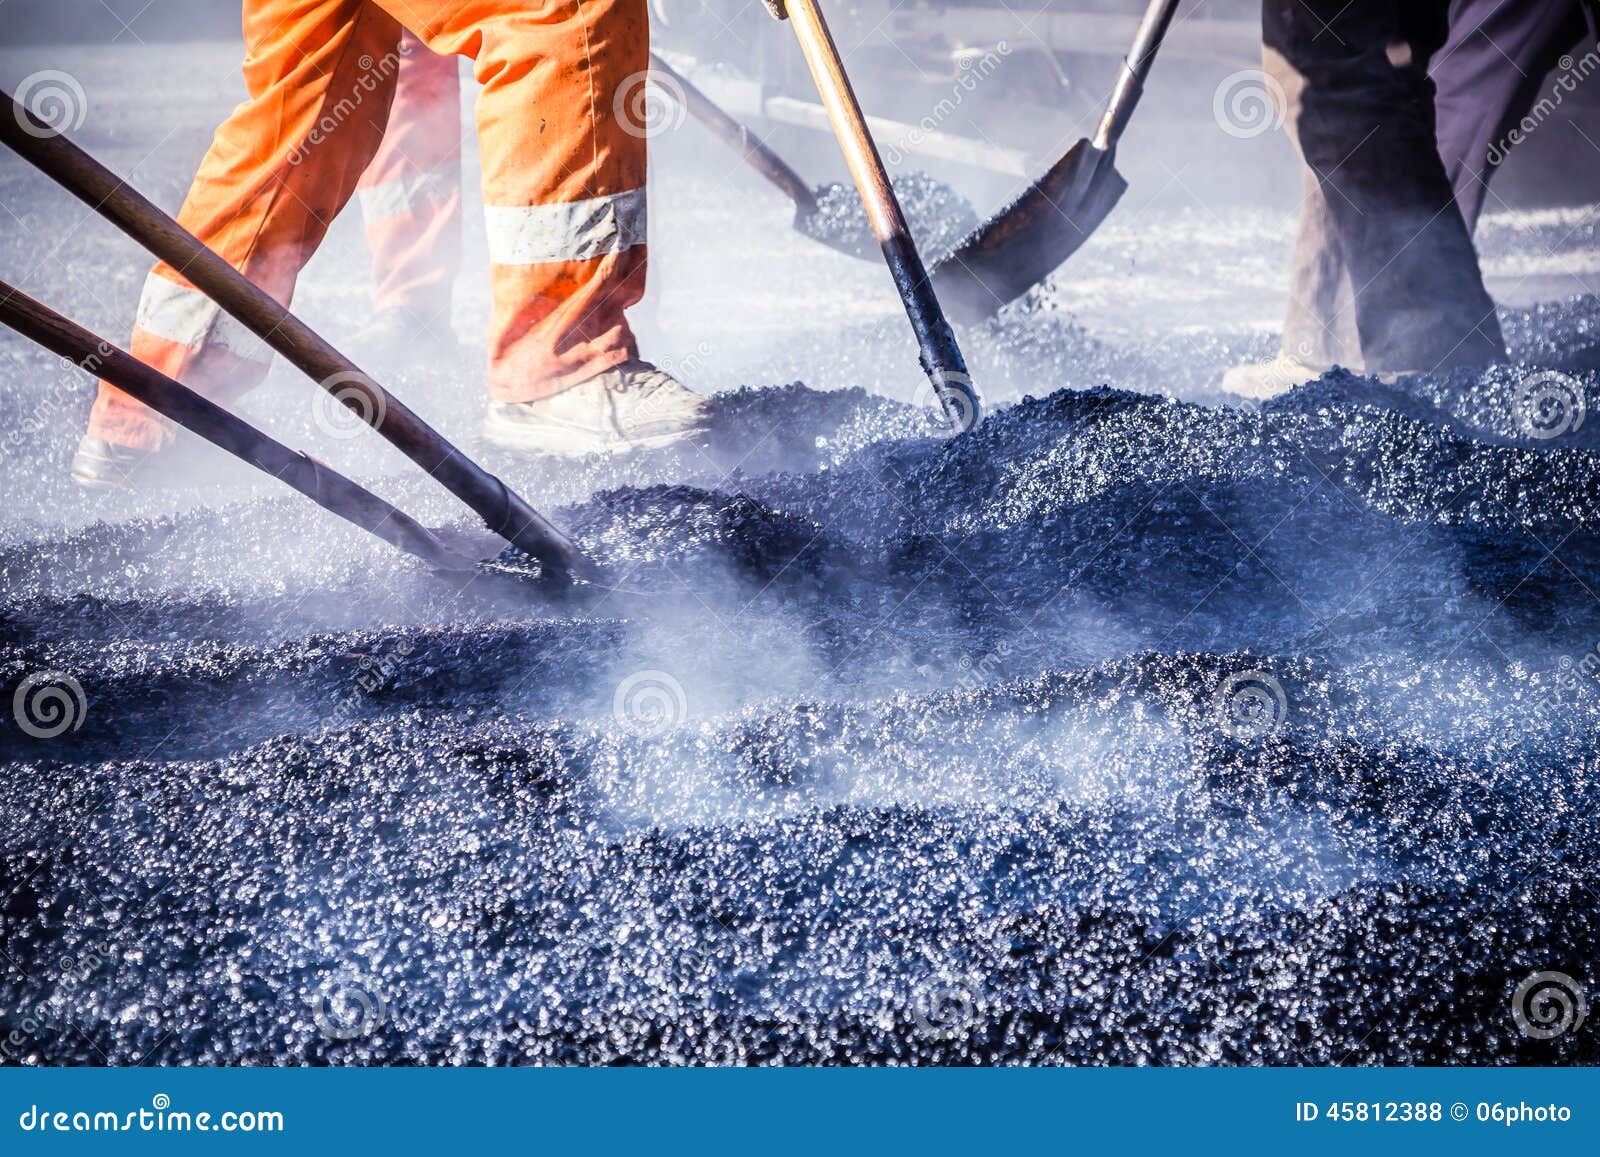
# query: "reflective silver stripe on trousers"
[[408, 191], [188, 317], [575, 231]]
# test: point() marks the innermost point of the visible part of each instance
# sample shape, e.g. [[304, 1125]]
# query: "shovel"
[[1027, 240], [503, 511], [940, 356]]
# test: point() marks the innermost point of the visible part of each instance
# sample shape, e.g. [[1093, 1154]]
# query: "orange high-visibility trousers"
[[410, 195], [563, 183]]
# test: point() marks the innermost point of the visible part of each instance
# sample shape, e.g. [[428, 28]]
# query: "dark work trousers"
[[1385, 277], [1489, 74]]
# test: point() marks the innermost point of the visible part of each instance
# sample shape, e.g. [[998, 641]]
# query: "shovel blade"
[[1029, 239], [469, 547], [836, 232]]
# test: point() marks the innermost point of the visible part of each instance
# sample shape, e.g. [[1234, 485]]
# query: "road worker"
[[564, 193], [410, 201], [1384, 279]]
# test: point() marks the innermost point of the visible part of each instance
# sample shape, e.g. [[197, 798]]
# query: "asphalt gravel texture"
[[1132, 727]]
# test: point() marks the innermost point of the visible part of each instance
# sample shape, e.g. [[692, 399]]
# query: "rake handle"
[[329, 490], [502, 510], [940, 355]]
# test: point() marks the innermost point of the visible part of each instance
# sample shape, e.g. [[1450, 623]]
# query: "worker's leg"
[[563, 179], [1319, 328], [411, 193], [1361, 113], [320, 74], [1488, 75]]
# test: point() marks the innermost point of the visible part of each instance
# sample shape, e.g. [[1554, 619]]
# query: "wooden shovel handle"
[[849, 123], [941, 357]]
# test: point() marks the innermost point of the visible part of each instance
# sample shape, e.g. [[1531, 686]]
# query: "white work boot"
[[633, 407], [100, 467], [1263, 380]]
